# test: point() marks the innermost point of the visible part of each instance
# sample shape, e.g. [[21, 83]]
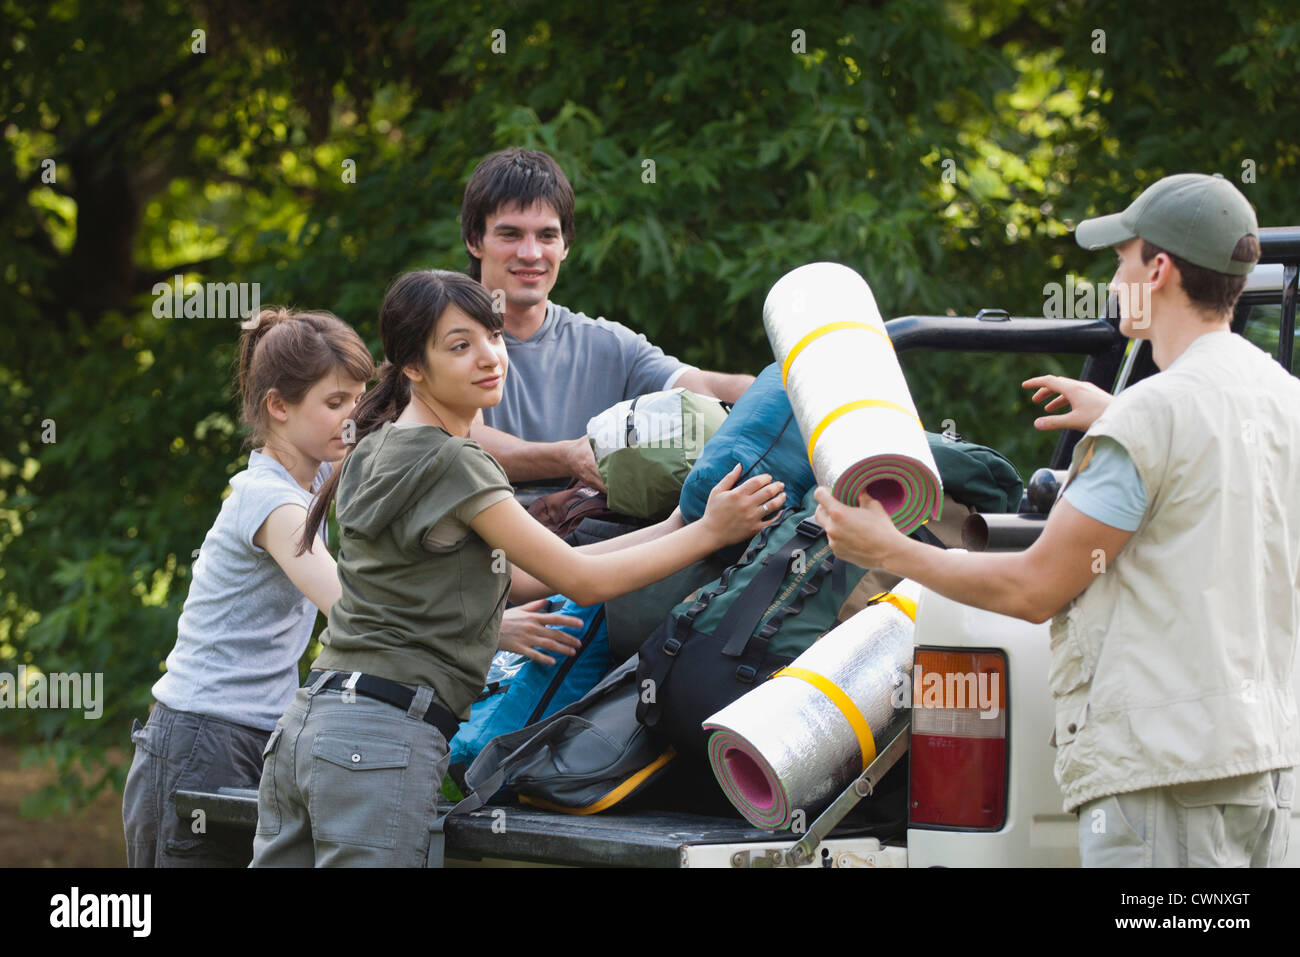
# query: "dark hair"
[[1213, 293], [412, 307], [290, 351], [513, 177]]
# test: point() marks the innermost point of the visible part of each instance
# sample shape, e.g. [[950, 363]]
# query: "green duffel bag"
[[975, 475], [645, 447]]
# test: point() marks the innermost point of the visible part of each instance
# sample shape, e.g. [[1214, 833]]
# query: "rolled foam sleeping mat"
[[849, 395], [802, 736]]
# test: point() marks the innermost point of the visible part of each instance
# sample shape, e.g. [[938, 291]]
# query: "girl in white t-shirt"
[[253, 600]]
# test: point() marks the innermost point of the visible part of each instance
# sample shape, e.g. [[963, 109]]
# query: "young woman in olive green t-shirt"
[[432, 544]]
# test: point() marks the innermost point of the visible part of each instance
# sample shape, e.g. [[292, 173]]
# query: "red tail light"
[[958, 761]]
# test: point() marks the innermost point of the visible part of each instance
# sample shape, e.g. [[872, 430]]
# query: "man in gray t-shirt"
[[517, 224], [603, 363]]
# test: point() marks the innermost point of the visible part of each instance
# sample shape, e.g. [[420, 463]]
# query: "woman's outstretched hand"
[[736, 513]]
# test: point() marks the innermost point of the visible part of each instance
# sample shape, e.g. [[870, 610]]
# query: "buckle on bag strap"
[[809, 528]]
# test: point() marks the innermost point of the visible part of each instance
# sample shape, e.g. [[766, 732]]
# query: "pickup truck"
[[984, 796]]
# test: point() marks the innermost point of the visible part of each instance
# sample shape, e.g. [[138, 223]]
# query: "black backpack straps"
[[840, 577], [647, 712], [707, 594], [923, 534], [679, 633], [506, 753], [742, 618], [630, 424], [810, 588]]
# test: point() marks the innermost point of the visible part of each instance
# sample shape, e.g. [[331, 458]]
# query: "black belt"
[[391, 692]]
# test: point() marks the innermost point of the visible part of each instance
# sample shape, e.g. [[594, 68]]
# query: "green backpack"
[[785, 592]]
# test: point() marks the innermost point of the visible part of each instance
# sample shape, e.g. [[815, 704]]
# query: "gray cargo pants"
[[351, 782], [1232, 822], [181, 751]]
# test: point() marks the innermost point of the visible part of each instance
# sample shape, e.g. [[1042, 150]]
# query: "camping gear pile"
[[779, 665]]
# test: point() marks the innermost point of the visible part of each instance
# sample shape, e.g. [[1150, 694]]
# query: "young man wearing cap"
[[1170, 567], [565, 368]]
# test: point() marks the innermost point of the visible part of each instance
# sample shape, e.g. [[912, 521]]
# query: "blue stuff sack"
[[763, 436], [520, 691]]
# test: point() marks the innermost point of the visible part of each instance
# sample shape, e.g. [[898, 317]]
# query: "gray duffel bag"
[[583, 759]]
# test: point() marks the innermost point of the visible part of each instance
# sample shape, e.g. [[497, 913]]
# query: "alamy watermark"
[[206, 300], [1084, 300], [77, 910], [58, 691], [951, 689]]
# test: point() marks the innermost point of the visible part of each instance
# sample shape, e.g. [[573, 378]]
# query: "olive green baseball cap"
[[1196, 217]]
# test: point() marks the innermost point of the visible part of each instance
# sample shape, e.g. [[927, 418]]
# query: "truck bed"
[[501, 834]]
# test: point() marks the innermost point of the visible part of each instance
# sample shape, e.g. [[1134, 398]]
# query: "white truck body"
[[1037, 833]]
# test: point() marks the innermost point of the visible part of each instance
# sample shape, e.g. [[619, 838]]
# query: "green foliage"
[[942, 149]]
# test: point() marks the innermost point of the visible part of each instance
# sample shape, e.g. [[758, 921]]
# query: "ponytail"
[[248, 385], [383, 403]]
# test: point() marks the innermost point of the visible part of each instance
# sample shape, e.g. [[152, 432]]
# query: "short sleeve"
[[672, 379], [472, 472], [454, 526], [257, 500], [649, 368], [467, 510], [1107, 487]]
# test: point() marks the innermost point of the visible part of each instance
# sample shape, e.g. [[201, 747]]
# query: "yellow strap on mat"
[[866, 742], [818, 333], [901, 602], [848, 407]]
